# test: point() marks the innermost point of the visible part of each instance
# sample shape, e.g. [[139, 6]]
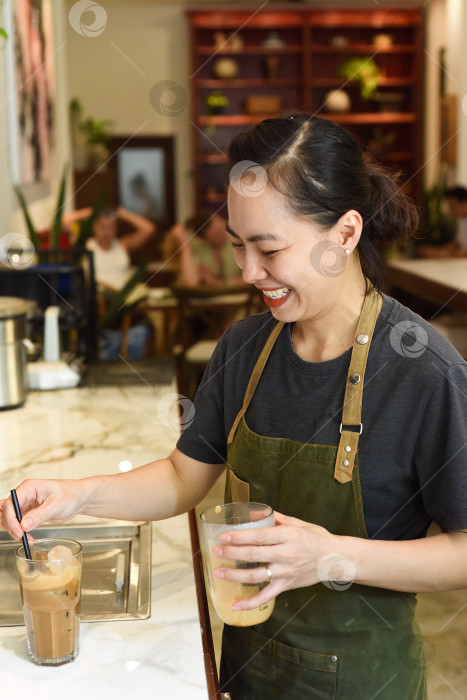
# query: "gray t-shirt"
[[413, 448]]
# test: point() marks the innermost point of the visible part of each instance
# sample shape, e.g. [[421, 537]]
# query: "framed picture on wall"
[[30, 89], [145, 176]]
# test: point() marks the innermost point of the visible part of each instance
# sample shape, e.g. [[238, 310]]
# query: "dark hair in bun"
[[323, 173]]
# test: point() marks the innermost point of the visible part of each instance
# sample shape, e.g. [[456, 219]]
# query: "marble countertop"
[[80, 432], [451, 272]]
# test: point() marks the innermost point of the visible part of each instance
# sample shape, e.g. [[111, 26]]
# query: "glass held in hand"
[[213, 522]]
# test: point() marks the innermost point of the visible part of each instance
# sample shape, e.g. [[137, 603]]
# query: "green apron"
[[329, 640]]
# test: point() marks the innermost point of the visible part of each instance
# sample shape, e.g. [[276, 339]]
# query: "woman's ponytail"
[[391, 217]]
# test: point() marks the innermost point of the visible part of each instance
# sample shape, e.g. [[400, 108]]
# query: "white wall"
[[113, 73], [456, 28], [446, 26], [435, 38], [41, 197]]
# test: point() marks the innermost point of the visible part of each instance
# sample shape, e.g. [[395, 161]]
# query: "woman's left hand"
[[296, 553]]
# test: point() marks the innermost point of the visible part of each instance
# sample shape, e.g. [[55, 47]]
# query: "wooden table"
[[442, 281], [162, 310]]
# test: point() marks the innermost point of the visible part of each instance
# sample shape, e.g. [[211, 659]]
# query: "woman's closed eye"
[[264, 253], [269, 253]]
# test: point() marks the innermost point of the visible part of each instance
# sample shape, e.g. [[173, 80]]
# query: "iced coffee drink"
[[50, 591], [225, 593], [213, 522]]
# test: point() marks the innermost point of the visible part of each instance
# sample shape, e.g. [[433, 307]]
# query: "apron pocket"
[[239, 489], [254, 666]]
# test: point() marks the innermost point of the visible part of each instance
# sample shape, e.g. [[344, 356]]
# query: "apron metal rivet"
[[334, 658], [345, 462], [362, 339], [347, 448], [354, 378]]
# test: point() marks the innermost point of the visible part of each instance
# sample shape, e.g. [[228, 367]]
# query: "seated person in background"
[[111, 253], [112, 265], [456, 199], [206, 255]]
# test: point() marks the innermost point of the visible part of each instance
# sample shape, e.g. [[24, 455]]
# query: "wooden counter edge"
[[203, 610]]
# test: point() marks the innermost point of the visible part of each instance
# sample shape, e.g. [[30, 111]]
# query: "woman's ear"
[[350, 229]]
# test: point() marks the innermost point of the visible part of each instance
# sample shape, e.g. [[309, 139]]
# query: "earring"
[[347, 251]]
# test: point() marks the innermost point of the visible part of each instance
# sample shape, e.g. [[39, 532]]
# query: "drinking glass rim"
[[50, 539], [202, 516]]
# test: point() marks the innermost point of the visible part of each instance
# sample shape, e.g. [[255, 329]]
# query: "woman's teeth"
[[277, 293]]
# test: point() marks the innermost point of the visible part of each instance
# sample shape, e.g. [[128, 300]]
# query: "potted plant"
[[438, 227], [90, 137], [216, 102], [49, 238], [365, 72], [54, 237]]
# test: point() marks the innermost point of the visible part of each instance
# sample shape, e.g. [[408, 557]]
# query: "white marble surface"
[[80, 432], [451, 272]]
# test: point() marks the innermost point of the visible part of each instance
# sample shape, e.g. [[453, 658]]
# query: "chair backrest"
[[206, 311]]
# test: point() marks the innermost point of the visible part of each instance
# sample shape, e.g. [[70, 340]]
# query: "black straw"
[[27, 551]]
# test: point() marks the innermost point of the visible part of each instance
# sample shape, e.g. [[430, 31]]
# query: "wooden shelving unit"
[[315, 43]]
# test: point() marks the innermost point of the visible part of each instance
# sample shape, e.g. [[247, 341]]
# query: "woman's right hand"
[[42, 500]]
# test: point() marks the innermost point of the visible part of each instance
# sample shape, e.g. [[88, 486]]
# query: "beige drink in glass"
[[213, 522], [50, 586]]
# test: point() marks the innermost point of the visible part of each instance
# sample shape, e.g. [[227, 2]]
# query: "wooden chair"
[[127, 316], [205, 312]]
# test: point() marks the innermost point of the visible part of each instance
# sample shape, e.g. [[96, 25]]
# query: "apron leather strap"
[[352, 409], [255, 377]]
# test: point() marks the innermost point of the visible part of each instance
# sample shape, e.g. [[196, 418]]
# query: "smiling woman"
[[339, 408], [307, 216]]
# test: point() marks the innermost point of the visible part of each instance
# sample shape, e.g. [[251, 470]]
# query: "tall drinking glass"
[[213, 522], [50, 584]]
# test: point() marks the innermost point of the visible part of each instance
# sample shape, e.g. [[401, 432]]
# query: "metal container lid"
[[10, 307]]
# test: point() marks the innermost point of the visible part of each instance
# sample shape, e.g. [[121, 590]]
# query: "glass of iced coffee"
[[50, 584], [213, 522]]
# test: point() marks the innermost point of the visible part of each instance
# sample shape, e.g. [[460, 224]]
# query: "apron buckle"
[[349, 427]]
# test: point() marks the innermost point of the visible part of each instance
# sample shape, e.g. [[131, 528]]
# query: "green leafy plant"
[[95, 133], [120, 302], [365, 72], [438, 227], [3, 31], [216, 101], [57, 218]]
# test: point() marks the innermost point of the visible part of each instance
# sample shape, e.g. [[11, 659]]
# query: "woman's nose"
[[253, 270]]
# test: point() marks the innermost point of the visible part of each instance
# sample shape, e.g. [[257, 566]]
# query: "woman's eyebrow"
[[229, 230], [255, 237]]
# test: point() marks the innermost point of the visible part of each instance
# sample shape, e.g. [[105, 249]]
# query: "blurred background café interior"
[[115, 122]]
